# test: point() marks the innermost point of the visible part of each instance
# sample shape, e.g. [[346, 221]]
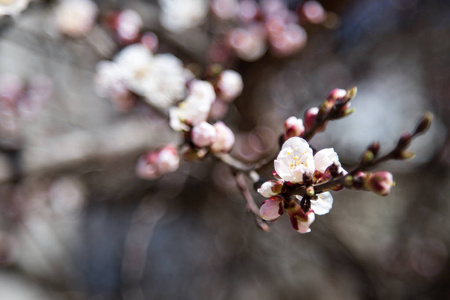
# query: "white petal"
[[325, 158], [296, 142], [323, 203]]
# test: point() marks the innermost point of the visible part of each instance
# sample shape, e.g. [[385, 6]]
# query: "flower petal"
[[323, 204], [271, 209]]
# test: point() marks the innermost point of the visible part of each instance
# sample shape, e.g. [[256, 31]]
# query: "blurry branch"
[[251, 205], [70, 150]]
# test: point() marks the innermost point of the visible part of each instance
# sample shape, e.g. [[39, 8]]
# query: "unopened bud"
[[156, 163], [348, 112], [374, 148], [424, 124], [336, 95], [203, 134], [406, 155], [404, 141], [310, 191], [225, 138], [293, 127], [190, 154], [380, 183], [310, 117], [368, 156], [229, 85], [270, 188], [358, 180], [351, 93], [299, 219]]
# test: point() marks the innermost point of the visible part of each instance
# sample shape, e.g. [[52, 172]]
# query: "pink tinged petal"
[[323, 204], [301, 221], [271, 209]]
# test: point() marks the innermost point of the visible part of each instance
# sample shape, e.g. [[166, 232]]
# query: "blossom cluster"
[[267, 24]]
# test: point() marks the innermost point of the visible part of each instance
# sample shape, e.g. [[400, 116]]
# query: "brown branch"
[[251, 204]]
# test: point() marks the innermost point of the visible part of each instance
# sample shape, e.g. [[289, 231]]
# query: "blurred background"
[[76, 222]]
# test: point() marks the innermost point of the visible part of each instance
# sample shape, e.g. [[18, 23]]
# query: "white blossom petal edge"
[[323, 204]]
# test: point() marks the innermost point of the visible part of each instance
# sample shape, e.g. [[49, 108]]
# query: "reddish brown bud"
[[374, 148], [380, 183], [424, 124]]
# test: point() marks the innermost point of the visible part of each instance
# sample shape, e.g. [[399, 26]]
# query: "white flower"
[[323, 204], [135, 61], [230, 85], [75, 18], [270, 188], [325, 158], [165, 82], [225, 138], [160, 78], [294, 160], [203, 134], [179, 15], [195, 108], [12, 7]]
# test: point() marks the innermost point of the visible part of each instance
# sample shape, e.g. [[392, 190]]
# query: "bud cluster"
[[264, 25]]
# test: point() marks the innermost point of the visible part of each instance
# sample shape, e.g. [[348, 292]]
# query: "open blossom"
[[230, 85], [203, 134], [195, 108], [12, 7], [294, 160], [293, 127], [75, 18], [157, 163], [323, 204], [159, 78], [225, 138], [180, 15]]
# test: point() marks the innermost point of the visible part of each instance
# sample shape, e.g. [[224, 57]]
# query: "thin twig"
[[251, 204]]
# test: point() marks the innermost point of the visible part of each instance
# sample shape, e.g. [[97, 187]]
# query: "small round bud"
[[404, 141], [368, 156], [406, 155], [203, 134], [336, 94], [374, 148], [229, 85], [424, 124], [225, 138], [156, 163], [293, 127], [310, 191], [270, 188], [380, 182]]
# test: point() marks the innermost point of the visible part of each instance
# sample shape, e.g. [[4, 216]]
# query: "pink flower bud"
[[380, 183], [336, 94], [203, 134], [250, 43], [225, 9], [230, 85], [293, 127], [157, 163], [128, 26], [271, 209], [270, 188], [310, 117], [224, 140], [313, 12], [289, 41]]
